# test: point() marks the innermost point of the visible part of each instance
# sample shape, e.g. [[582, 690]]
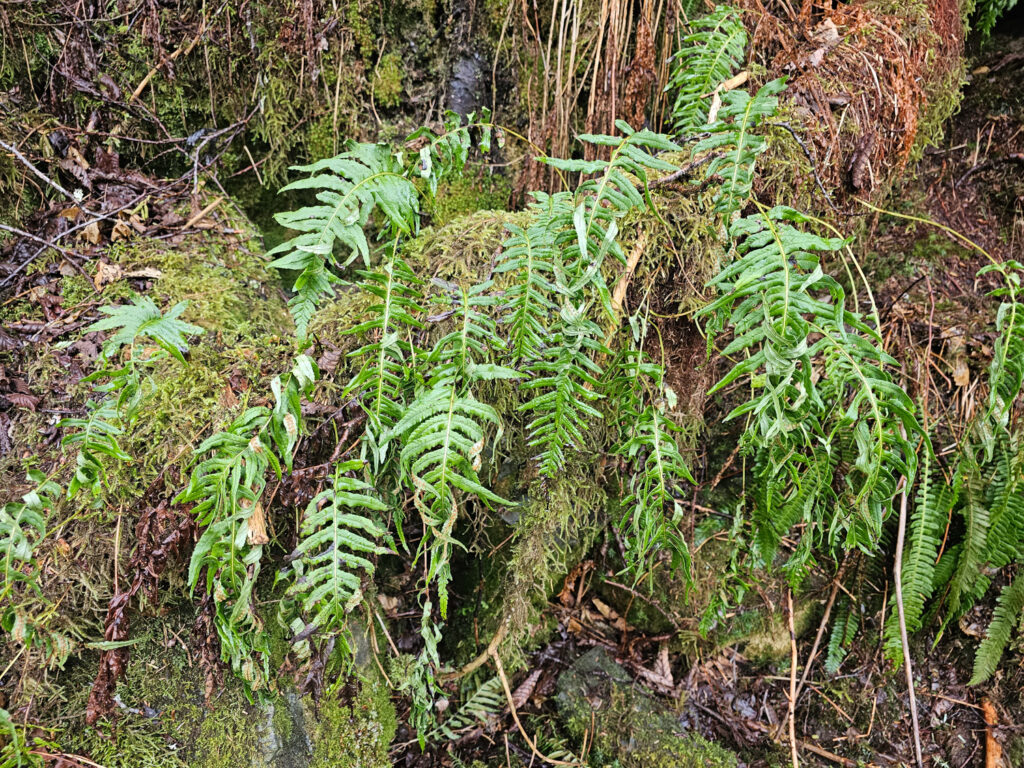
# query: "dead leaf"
[[227, 398], [75, 155], [90, 233], [121, 231], [258, 527], [21, 400], [716, 104], [106, 274], [150, 272]]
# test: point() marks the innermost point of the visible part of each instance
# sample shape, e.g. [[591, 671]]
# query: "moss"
[[467, 195], [598, 700], [357, 733], [463, 249], [388, 80]]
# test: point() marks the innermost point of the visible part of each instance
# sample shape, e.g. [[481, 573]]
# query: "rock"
[[627, 723]]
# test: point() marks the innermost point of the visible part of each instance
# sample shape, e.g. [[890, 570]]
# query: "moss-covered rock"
[[164, 720], [598, 697]]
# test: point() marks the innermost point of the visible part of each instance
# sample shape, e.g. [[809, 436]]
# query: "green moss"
[[388, 80], [467, 195], [358, 733]]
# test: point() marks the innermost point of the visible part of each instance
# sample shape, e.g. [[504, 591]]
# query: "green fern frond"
[[932, 507], [988, 12], [143, 319], [709, 55], [1006, 617], [1006, 372], [442, 436], [383, 378], [844, 630], [485, 704], [586, 225], [653, 514], [530, 253], [336, 537], [349, 187], [22, 526], [446, 154], [225, 488], [791, 326], [567, 379], [96, 436], [735, 144]]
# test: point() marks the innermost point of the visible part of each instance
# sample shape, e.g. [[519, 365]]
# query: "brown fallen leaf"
[[121, 231], [90, 233], [106, 274]]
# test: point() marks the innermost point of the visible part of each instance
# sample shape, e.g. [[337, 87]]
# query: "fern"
[[381, 381], [442, 436], [735, 145], [22, 526], [529, 252], [788, 317], [226, 487], [653, 513], [486, 703], [97, 435], [1007, 615], [586, 224], [933, 506], [567, 378], [142, 319], [988, 12], [349, 188], [844, 630], [337, 536], [708, 56], [1006, 372]]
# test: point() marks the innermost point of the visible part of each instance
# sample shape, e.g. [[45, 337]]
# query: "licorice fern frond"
[[383, 379], [22, 527], [817, 373], [1006, 372], [442, 432], [586, 225], [142, 319], [123, 389], [1007, 616], [445, 154], [349, 187], [710, 54], [530, 253], [735, 143], [95, 436], [566, 379], [337, 535], [226, 487], [652, 513]]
